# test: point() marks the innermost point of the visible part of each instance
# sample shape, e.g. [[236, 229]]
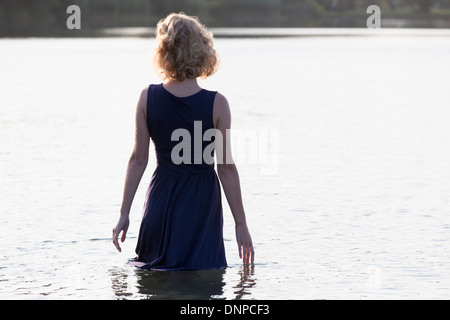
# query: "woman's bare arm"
[[229, 177], [136, 167]]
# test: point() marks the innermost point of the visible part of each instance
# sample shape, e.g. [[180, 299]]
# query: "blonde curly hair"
[[184, 48]]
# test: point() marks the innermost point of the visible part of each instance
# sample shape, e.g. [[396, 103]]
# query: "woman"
[[181, 228]]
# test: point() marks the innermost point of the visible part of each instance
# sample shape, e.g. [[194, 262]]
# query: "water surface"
[[354, 202]]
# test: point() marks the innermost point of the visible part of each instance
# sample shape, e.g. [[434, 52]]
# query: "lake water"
[[350, 199]]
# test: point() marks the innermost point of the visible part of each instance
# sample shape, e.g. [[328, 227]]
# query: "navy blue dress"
[[182, 224]]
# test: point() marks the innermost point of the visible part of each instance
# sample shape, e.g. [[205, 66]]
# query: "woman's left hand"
[[245, 245]]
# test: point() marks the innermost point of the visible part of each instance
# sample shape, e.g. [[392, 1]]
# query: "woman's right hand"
[[121, 226]]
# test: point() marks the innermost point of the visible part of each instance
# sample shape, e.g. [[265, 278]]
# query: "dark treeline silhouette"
[[32, 17]]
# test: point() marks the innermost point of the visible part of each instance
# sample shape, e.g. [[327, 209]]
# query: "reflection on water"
[[247, 281], [181, 285], [196, 285]]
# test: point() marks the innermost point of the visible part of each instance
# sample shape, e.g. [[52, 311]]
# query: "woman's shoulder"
[[153, 86], [221, 107], [149, 88], [146, 94], [220, 100], [218, 97]]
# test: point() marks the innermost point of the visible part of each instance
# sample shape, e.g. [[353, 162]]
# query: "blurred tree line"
[[33, 17], [419, 5]]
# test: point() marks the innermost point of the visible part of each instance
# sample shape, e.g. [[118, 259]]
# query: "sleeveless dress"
[[182, 223]]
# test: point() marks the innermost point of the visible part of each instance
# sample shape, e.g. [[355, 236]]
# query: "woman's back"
[[182, 223], [177, 126]]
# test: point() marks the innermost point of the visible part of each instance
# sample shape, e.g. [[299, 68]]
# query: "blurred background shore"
[[25, 18]]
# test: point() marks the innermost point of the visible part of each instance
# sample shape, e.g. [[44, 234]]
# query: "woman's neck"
[[182, 88]]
